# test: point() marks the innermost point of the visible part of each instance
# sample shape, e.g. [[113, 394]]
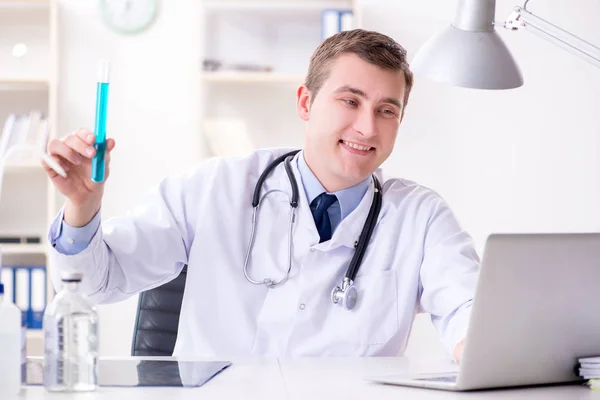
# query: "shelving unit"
[[23, 166], [20, 85], [276, 5], [16, 5], [251, 77], [28, 81], [270, 43], [20, 249]]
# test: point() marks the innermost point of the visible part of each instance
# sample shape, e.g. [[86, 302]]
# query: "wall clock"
[[129, 16]]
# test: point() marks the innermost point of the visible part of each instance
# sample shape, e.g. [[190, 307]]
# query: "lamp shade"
[[471, 59]]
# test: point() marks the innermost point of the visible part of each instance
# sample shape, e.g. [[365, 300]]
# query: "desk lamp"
[[470, 53]]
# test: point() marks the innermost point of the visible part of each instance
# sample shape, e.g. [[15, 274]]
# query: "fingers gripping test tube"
[[100, 125]]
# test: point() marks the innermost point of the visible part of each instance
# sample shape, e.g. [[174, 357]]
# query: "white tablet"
[[136, 372]]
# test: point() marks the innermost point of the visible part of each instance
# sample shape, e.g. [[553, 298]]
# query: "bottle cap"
[[71, 276]]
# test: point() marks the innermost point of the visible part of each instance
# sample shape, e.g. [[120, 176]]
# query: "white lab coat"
[[419, 258]]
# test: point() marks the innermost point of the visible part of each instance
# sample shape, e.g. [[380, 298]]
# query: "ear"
[[303, 97]]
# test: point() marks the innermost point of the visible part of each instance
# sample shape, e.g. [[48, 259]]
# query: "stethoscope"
[[346, 295]]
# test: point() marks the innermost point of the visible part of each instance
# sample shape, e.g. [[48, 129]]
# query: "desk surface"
[[317, 379]]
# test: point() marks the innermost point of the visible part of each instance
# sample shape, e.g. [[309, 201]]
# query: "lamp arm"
[[521, 18]]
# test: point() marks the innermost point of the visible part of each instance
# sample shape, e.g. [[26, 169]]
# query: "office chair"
[[157, 318]]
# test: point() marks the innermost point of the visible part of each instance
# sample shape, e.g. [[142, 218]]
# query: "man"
[[418, 258]]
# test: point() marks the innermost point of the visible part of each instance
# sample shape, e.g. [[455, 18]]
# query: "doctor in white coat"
[[418, 258]]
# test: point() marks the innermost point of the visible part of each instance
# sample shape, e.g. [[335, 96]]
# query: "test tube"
[[100, 125]]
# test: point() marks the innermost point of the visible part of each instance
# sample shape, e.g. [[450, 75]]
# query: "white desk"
[[315, 379]]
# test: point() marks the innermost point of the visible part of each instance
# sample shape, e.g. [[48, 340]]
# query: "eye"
[[351, 102], [388, 112]]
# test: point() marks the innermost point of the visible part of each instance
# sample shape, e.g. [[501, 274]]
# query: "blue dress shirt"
[[70, 240], [348, 199]]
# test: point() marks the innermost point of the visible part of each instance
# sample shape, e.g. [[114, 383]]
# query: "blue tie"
[[319, 208]]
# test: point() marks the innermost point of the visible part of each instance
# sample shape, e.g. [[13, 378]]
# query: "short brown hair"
[[373, 47]]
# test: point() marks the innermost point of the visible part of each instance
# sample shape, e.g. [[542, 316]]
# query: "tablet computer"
[[136, 372]]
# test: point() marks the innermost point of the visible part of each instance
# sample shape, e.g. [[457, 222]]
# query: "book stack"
[[589, 369]]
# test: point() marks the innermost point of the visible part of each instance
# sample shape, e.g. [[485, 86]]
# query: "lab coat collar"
[[349, 229], [304, 217], [348, 199]]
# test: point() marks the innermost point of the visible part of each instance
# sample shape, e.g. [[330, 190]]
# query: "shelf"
[[252, 77], [25, 166], [23, 85], [22, 249], [35, 342], [281, 5], [19, 12], [21, 4]]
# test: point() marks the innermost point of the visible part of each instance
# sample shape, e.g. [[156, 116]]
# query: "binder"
[[6, 277], [22, 287], [330, 23], [346, 20], [26, 287], [38, 297], [334, 21]]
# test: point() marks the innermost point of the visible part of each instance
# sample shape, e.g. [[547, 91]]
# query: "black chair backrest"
[[157, 319]]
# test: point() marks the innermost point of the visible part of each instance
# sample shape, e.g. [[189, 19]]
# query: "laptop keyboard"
[[449, 378]]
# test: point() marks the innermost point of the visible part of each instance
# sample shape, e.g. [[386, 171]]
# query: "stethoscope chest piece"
[[346, 296]]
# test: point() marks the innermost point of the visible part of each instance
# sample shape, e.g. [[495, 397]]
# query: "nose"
[[365, 123]]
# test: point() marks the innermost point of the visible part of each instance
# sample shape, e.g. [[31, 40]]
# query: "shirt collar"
[[348, 198]]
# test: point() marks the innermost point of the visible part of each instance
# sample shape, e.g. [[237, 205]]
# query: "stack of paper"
[[22, 139], [227, 137], [23, 134], [589, 368]]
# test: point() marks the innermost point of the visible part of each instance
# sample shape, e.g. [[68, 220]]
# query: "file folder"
[[334, 21], [6, 277], [26, 287], [38, 297]]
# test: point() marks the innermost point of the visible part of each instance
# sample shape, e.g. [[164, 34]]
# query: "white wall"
[[151, 114], [517, 161], [525, 160]]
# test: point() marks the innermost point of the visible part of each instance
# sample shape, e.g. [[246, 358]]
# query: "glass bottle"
[[71, 339]]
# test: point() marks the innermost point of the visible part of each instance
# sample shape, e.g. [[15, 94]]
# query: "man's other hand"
[[458, 351]]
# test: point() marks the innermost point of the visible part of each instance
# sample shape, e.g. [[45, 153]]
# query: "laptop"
[[535, 312]]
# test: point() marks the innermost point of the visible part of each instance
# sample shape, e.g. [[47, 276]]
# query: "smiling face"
[[352, 120]]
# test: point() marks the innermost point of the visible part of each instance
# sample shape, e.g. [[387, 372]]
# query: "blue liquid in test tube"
[[100, 126]]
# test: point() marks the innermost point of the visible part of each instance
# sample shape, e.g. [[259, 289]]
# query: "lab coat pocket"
[[374, 319]]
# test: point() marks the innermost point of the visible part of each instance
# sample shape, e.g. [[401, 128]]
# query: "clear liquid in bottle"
[[71, 340]]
